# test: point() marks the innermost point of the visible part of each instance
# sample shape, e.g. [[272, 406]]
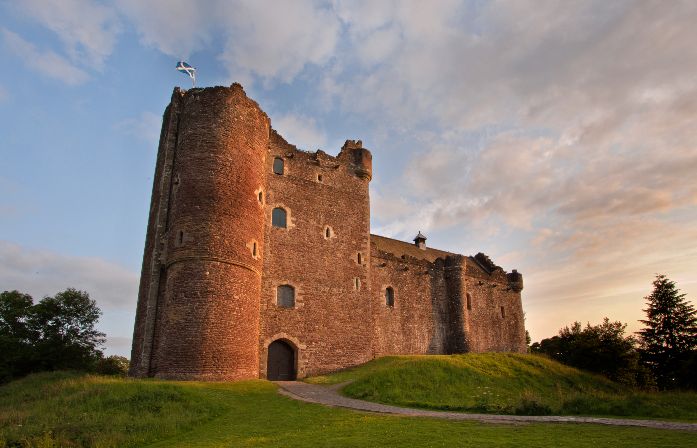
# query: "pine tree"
[[670, 337]]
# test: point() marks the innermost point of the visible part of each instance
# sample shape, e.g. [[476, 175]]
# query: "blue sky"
[[557, 138]]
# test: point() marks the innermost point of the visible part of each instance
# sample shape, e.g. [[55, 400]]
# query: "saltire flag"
[[187, 69]]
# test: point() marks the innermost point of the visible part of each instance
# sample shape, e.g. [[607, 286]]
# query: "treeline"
[[56, 333], [661, 355]]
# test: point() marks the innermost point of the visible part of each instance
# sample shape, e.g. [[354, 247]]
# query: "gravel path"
[[329, 396]]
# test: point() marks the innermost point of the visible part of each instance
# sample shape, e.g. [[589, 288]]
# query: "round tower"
[[208, 318]]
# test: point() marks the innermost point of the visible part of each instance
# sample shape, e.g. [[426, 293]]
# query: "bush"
[[112, 365]]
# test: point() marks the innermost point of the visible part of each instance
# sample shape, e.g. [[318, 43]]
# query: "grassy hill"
[[74, 410], [504, 383]]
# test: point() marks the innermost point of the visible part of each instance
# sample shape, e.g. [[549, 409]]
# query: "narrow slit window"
[[469, 301], [319, 178], [278, 218], [360, 258], [503, 313], [181, 237], [328, 232], [357, 282], [285, 296], [389, 297], [254, 249], [261, 197], [278, 165]]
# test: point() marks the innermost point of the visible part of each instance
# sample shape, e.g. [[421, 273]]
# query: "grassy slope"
[[504, 383], [69, 410]]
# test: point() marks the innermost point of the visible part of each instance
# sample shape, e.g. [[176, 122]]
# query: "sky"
[[559, 138]]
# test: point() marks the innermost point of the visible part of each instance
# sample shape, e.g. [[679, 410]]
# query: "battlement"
[[259, 261]]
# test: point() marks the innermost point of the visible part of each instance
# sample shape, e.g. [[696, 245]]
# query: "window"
[[360, 258], [319, 178], [278, 165], [181, 237], [278, 217], [254, 249], [469, 301], [357, 283], [260, 196], [503, 313], [389, 297], [285, 296], [328, 232]]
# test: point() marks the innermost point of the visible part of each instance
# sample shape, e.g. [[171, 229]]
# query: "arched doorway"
[[281, 362]]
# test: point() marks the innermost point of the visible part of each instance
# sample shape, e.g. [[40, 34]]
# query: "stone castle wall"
[[331, 287], [213, 261]]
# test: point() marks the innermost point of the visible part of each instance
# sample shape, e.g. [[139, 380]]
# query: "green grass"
[[504, 383], [70, 410]]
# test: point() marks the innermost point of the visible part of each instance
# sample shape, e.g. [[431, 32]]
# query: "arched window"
[[278, 165], [389, 296], [285, 296], [469, 301], [278, 217]]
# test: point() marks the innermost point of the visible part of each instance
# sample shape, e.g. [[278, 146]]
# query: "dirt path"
[[329, 396]]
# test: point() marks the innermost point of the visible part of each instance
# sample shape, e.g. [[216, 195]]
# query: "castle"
[[259, 261]]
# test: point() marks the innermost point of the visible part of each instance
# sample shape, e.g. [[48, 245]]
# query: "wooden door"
[[281, 362]]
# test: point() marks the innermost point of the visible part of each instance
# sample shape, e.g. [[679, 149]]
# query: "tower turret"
[[201, 318]]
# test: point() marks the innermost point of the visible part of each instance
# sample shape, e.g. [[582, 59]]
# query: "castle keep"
[[259, 261]]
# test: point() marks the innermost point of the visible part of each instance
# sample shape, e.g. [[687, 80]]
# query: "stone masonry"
[[217, 263]]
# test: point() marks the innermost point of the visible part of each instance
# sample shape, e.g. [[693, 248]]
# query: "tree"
[[56, 333], [64, 326], [601, 348], [669, 338], [15, 336]]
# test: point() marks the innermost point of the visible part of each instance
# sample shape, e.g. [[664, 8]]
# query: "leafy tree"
[[601, 348], [65, 334], [15, 336], [669, 338], [56, 333]]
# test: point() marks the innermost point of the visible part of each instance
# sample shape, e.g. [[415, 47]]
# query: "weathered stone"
[[207, 306]]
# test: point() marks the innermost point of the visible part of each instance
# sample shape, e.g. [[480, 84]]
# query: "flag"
[[187, 69]]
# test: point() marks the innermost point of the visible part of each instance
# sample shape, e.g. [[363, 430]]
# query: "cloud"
[[272, 43], [300, 131], [277, 43], [87, 29], [145, 127], [118, 345], [45, 62], [41, 272], [175, 27]]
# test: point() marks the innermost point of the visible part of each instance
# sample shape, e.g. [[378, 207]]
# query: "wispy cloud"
[[272, 43], [42, 272], [300, 130], [45, 62], [87, 29], [145, 127]]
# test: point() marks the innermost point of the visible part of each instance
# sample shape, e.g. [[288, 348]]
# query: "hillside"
[[503, 383], [76, 410]]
